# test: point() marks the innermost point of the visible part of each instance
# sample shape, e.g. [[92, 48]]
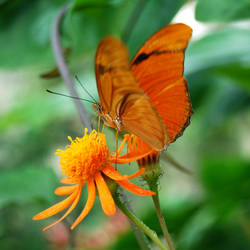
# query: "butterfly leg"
[[93, 120], [103, 127], [116, 147], [99, 123]]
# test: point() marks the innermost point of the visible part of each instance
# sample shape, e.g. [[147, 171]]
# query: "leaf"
[[25, 33], [222, 10], [196, 228], [238, 74], [162, 10], [226, 178], [82, 4], [26, 184], [219, 48]]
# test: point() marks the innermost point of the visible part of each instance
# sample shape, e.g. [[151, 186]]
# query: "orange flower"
[[139, 151], [87, 160]]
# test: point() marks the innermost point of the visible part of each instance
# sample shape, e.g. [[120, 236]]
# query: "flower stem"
[[167, 158], [142, 240], [161, 217], [150, 233]]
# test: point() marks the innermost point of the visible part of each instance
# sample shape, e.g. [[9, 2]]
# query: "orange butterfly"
[[148, 96]]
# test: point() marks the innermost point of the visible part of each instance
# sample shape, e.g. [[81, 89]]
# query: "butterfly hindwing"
[[139, 117]]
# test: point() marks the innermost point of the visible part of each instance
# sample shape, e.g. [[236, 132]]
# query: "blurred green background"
[[209, 209]]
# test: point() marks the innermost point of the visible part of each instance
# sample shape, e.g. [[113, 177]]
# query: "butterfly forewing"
[[158, 68], [114, 76]]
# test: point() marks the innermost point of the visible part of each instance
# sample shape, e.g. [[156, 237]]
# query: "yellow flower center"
[[85, 156]]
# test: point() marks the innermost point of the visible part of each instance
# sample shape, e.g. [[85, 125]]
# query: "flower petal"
[[121, 146], [65, 190], [56, 208], [89, 204], [69, 180], [131, 187], [131, 156], [137, 150], [79, 192], [107, 201], [136, 174], [112, 173]]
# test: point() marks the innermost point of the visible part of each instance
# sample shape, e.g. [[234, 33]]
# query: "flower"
[[148, 160], [139, 151], [87, 160]]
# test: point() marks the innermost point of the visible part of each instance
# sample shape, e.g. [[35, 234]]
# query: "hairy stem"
[[161, 218], [139, 235], [150, 233]]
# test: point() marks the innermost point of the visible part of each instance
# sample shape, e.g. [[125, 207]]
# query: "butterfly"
[[148, 96]]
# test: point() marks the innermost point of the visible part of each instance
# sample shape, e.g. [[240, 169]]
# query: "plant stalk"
[[161, 218], [63, 68], [139, 235], [150, 233]]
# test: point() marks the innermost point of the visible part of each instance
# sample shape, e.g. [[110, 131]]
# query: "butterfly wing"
[[114, 77], [158, 68], [121, 96], [139, 117]]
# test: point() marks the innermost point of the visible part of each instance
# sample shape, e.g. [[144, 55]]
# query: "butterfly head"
[[98, 107]]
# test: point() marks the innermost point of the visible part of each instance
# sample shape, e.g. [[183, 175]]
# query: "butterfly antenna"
[[76, 77], [73, 97]]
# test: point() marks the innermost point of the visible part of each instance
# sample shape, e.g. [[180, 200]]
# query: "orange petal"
[[107, 202], [112, 173], [138, 173], [69, 180], [56, 208], [79, 192], [121, 146], [65, 190], [131, 156], [131, 187], [89, 204]]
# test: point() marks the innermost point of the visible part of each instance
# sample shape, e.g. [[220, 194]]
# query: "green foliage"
[[226, 179], [222, 11], [23, 185], [218, 48], [82, 4], [161, 10]]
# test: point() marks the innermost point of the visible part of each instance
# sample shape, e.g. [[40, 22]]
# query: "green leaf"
[[218, 48], [222, 10], [238, 74], [25, 33], [26, 184], [196, 228], [82, 4], [226, 178], [154, 16]]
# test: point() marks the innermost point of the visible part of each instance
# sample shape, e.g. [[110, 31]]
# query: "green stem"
[[167, 158], [141, 238], [150, 233], [161, 217]]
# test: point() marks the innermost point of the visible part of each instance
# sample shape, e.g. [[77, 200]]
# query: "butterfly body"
[[147, 96], [114, 122]]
